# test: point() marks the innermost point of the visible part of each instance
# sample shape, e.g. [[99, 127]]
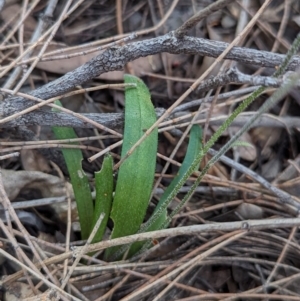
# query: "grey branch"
[[115, 58], [116, 120], [234, 76]]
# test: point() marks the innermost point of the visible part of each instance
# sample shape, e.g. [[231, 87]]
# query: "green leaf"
[[161, 218], [104, 191], [193, 150], [136, 174], [79, 180], [242, 143]]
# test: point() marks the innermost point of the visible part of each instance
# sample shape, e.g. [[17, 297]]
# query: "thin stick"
[[82, 251], [183, 29], [82, 53], [15, 154], [106, 150], [40, 142], [50, 145]]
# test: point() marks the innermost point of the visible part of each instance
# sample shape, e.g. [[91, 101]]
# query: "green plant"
[[128, 207], [136, 174]]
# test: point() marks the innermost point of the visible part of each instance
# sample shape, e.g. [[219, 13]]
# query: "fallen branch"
[[115, 58]]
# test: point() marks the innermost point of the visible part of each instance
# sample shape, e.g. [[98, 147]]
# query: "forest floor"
[[246, 207]]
